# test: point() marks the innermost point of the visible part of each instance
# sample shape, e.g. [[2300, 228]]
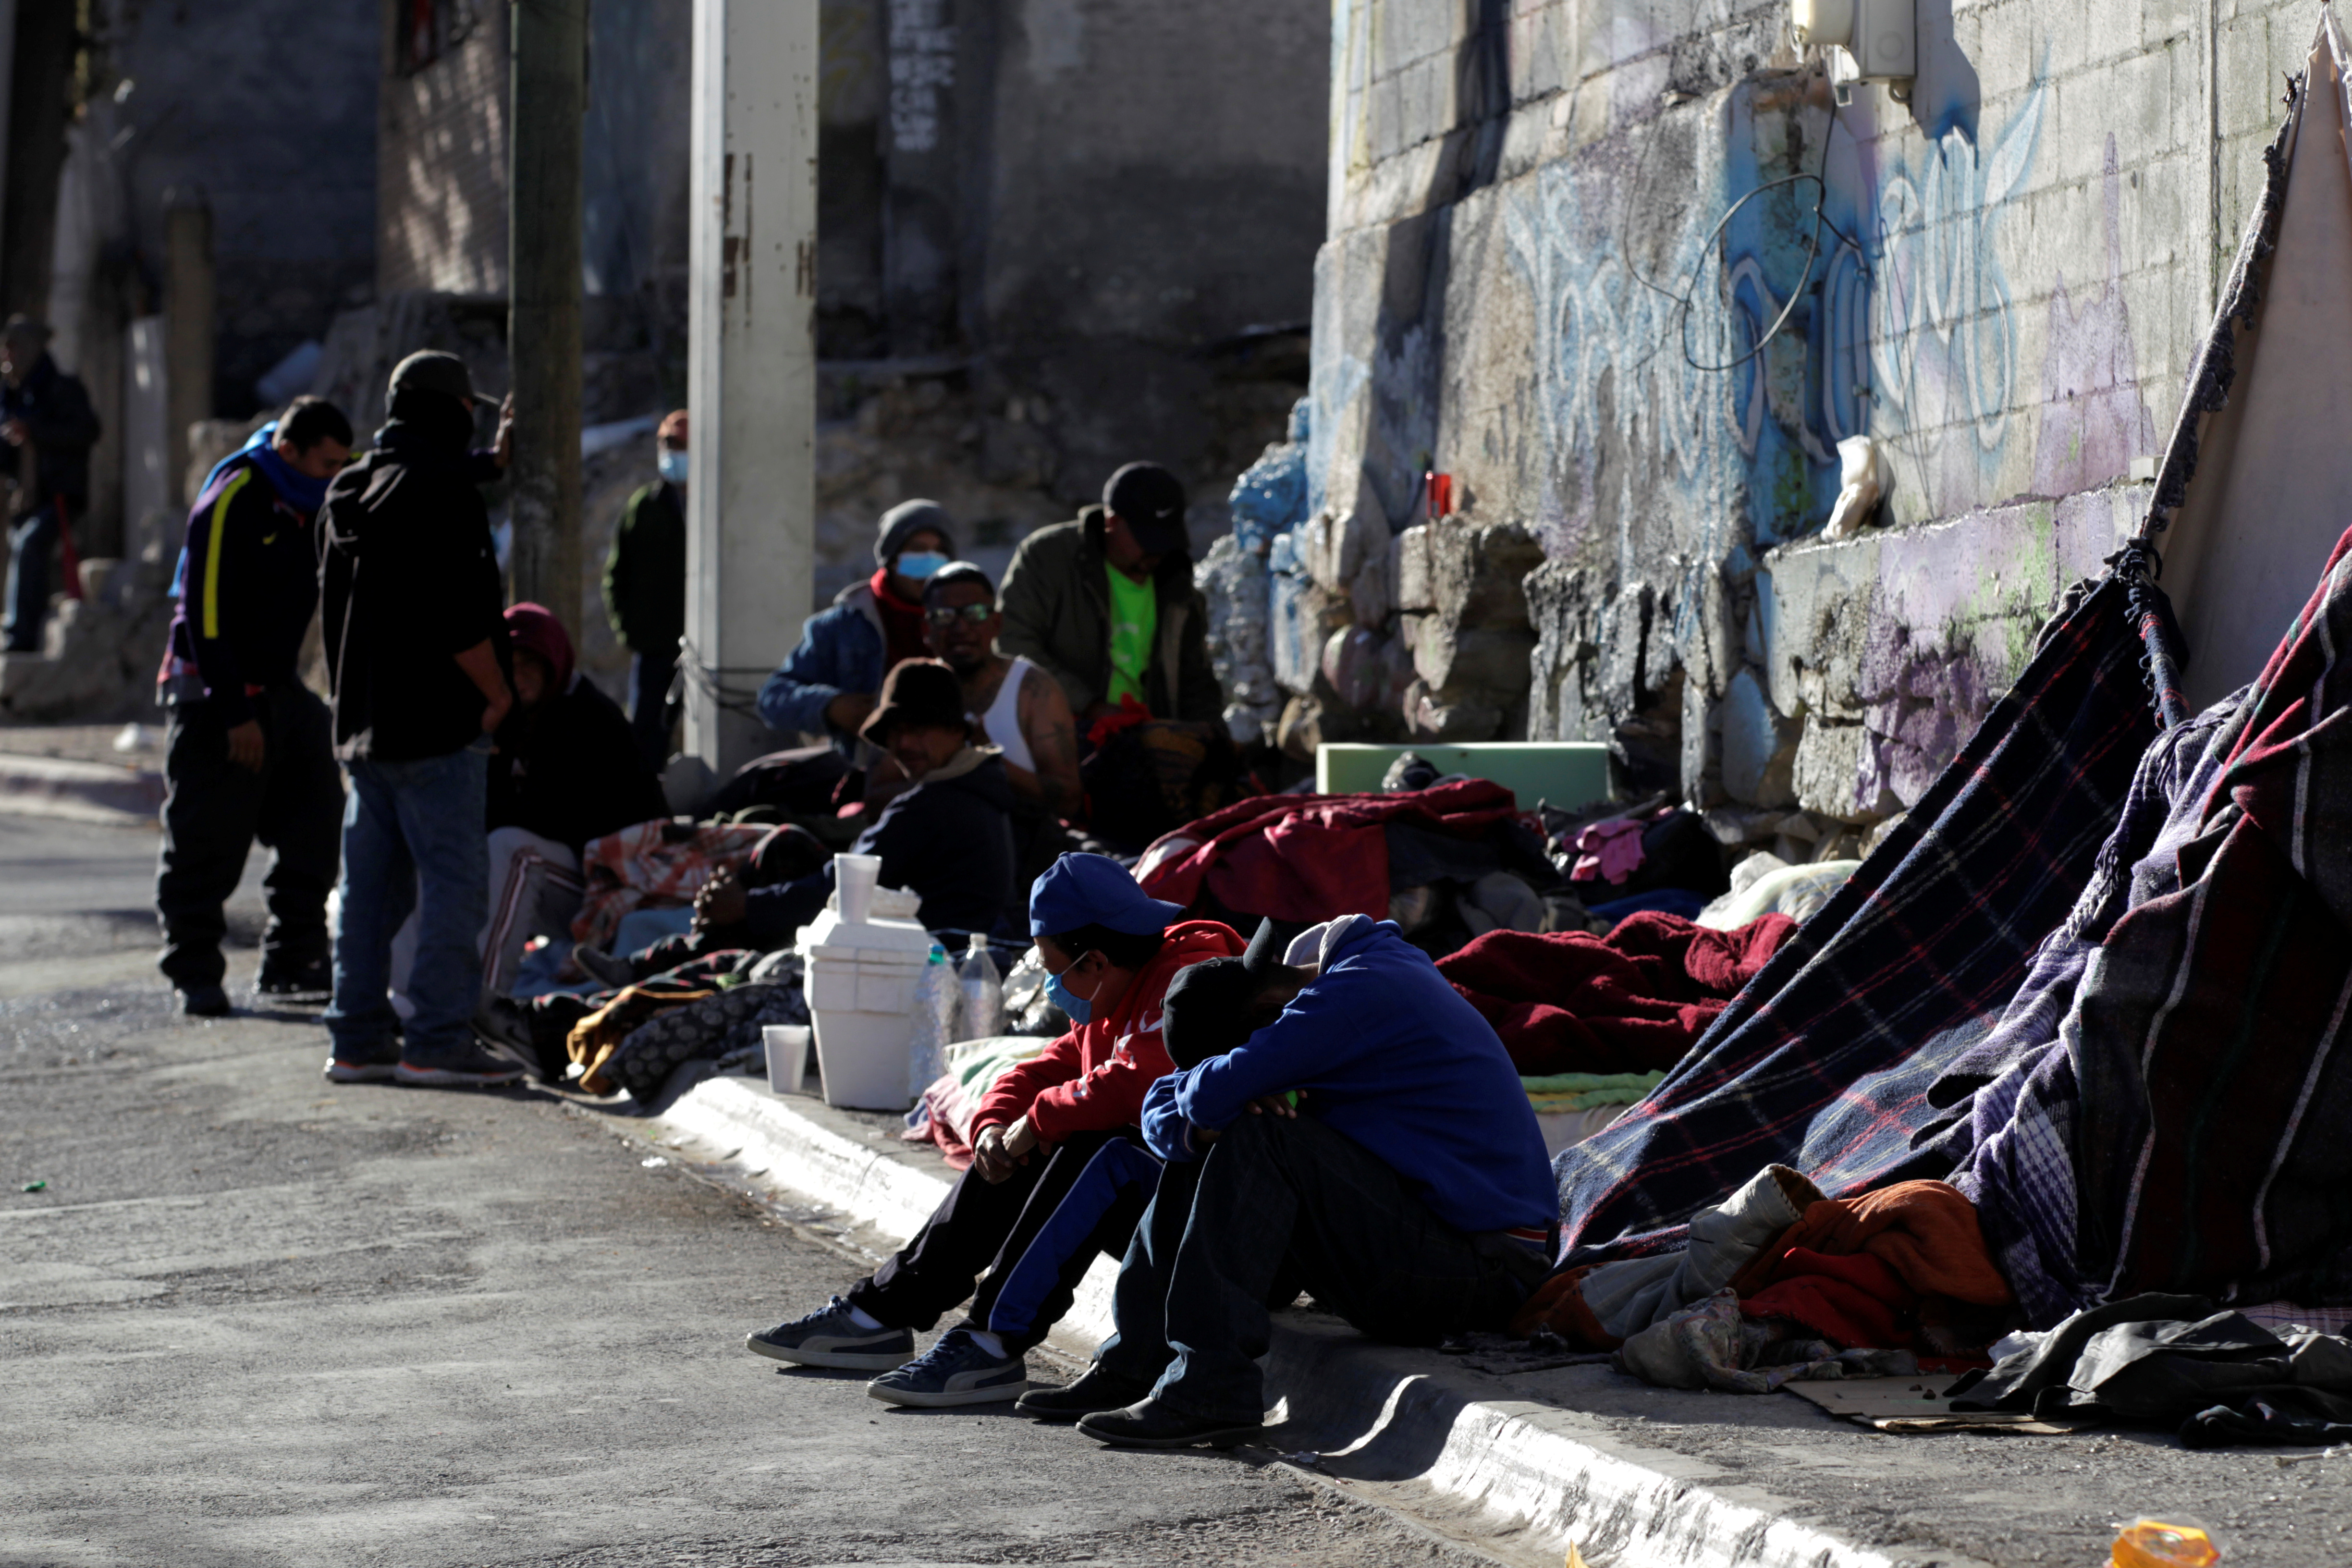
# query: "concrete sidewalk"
[[77, 772], [1522, 1463]]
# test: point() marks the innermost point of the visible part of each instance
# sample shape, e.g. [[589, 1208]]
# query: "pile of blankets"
[[1904, 1268], [1632, 1001], [1308, 859]]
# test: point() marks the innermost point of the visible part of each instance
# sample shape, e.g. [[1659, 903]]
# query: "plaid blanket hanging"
[[1824, 1061]]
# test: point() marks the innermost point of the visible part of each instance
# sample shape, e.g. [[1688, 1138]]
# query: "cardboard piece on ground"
[[1915, 1404]]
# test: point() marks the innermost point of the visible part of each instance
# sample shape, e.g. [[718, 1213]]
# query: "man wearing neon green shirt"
[[1106, 604]]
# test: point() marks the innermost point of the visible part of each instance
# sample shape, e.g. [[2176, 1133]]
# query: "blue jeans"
[[412, 836], [1274, 1206], [29, 543]]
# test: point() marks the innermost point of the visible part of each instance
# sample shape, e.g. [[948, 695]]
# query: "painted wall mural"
[[1945, 345]]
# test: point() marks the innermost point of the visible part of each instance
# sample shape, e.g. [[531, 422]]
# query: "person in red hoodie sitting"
[[1112, 951]]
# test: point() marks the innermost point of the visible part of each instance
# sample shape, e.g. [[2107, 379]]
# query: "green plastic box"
[[1568, 773]]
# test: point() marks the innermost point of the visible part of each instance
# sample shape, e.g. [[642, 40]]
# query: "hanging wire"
[[1683, 299]]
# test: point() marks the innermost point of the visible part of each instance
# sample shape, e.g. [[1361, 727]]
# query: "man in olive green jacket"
[[1063, 612]]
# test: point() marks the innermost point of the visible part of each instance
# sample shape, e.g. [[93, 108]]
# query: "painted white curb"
[[84, 791], [1379, 1414]]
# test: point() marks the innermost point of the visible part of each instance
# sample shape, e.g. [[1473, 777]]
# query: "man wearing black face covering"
[[414, 626]]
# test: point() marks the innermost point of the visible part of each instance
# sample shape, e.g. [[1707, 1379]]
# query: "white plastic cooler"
[[861, 995]]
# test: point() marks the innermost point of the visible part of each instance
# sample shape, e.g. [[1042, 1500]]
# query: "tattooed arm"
[[1043, 713]]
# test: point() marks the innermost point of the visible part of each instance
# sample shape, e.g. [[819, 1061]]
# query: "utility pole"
[[750, 503], [544, 214], [189, 298]]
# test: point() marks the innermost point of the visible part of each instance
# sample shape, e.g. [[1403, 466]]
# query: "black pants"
[[1277, 1201], [984, 1225], [652, 715], [214, 810]]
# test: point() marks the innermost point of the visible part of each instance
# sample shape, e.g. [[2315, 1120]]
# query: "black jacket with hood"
[[408, 578]]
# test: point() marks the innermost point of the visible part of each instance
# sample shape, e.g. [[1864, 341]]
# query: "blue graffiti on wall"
[[1630, 394], [1945, 343]]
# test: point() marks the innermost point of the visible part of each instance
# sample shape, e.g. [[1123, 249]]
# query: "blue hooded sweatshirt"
[[1388, 1053]]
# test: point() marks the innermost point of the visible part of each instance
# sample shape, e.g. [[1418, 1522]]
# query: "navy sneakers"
[[831, 1337], [956, 1371]]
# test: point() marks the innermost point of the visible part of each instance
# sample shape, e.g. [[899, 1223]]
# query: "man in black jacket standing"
[[645, 591], [415, 643], [247, 751], [47, 428]]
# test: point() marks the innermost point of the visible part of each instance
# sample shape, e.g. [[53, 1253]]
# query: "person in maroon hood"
[[1112, 951], [568, 769]]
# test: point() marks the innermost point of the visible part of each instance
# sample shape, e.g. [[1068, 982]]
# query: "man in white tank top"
[[1023, 713]]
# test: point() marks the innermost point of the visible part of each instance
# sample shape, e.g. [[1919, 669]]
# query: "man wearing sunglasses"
[[249, 750], [1020, 708]]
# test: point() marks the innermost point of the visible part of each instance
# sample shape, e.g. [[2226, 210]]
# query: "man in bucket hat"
[[1111, 950]]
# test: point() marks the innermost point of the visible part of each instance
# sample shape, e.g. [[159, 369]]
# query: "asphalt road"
[[257, 1319]]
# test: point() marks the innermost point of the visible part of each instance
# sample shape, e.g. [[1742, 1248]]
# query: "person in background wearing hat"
[[645, 591], [1105, 604], [248, 748], [947, 839], [828, 686], [1405, 1185], [417, 649], [1111, 950], [46, 429]]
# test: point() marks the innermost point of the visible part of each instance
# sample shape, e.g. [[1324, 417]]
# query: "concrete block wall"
[[1535, 281]]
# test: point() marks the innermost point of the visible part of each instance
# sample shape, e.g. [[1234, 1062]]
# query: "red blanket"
[[1632, 1001], [1309, 857]]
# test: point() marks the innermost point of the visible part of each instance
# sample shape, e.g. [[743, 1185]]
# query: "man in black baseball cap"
[[1106, 604]]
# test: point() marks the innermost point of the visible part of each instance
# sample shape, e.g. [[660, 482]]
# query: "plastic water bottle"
[[2157, 1543], [936, 998], [984, 992]]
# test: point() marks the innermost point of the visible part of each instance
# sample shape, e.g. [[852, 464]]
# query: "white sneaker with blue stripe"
[[958, 1370]]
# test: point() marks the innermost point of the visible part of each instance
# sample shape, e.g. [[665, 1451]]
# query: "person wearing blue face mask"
[[1112, 951], [645, 592], [829, 685]]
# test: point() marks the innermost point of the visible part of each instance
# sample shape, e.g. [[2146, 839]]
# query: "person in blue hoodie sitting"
[[1351, 1127]]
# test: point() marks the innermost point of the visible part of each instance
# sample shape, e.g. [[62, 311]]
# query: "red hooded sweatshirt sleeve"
[[1093, 1079]]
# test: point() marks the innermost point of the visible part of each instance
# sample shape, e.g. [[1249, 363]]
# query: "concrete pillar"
[[188, 305], [543, 225], [751, 363]]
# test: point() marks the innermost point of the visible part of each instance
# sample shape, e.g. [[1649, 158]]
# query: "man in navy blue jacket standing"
[[247, 751], [1351, 1126]]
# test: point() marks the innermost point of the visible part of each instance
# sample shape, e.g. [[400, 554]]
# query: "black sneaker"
[[312, 982], [501, 1023], [467, 1067], [204, 1002], [831, 1337], [609, 970], [1148, 1424], [1096, 1391]]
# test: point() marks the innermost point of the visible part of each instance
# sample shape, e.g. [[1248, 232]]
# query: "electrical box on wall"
[[1868, 40]]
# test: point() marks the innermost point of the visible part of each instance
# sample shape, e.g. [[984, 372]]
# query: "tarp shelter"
[[2269, 409]]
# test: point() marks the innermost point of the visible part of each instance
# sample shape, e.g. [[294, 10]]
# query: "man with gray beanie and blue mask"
[[830, 684]]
